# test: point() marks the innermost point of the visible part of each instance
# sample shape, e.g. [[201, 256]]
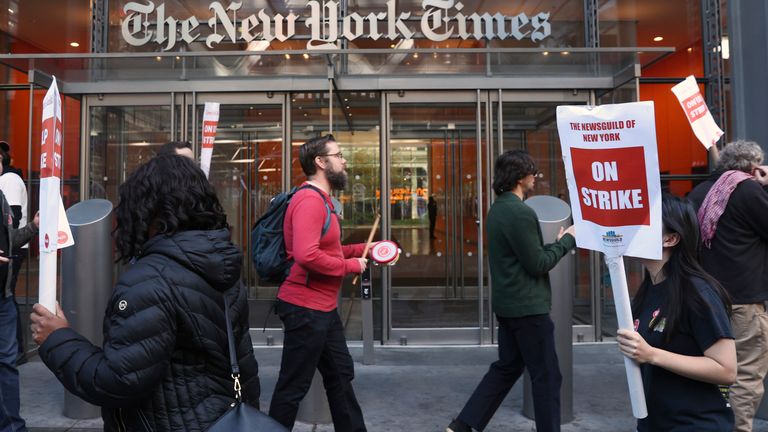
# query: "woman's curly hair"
[[166, 195]]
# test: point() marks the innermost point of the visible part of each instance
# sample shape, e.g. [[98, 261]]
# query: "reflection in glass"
[[246, 170], [434, 155], [356, 118], [120, 139]]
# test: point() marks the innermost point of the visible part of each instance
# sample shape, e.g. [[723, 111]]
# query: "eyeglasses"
[[338, 155]]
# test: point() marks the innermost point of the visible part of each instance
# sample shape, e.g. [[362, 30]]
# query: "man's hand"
[[3, 260], [36, 219], [761, 175], [44, 322], [363, 264], [563, 231]]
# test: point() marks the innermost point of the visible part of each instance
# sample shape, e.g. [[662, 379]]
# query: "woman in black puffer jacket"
[[164, 363]]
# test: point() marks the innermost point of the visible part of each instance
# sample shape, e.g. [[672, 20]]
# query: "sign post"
[[612, 169], [210, 123], [54, 228]]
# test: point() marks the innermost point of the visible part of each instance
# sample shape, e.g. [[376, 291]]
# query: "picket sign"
[[54, 228], [210, 123], [612, 170], [697, 113]]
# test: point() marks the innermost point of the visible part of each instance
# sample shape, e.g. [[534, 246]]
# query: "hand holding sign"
[[761, 174], [563, 231]]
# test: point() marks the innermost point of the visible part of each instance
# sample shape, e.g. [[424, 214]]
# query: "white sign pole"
[[624, 319], [210, 123], [612, 169]]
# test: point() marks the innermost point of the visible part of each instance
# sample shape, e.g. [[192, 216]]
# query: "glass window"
[[356, 124], [651, 23], [680, 152]]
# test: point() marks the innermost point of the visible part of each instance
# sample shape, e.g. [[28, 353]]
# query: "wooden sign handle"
[[368, 243]]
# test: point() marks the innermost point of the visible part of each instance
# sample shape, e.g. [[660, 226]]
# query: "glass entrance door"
[[247, 171], [246, 168], [434, 214], [122, 133]]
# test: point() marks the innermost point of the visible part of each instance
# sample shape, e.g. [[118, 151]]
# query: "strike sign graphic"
[[601, 187], [695, 108]]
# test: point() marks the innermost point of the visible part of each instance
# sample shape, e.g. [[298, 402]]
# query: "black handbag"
[[241, 416]]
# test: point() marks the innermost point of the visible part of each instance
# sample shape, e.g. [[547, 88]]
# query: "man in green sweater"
[[520, 263]]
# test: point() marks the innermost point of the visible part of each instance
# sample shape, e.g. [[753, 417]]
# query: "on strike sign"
[[210, 123], [695, 108], [612, 169]]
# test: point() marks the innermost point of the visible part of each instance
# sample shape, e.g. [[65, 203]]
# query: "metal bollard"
[[314, 408], [554, 213], [86, 282]]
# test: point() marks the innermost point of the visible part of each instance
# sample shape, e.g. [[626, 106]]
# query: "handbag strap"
[[234, 367]]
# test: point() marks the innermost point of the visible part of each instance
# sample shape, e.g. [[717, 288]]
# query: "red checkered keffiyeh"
[[715, 201]]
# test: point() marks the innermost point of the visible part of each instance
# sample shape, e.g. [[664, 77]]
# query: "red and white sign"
[[612, 169], [210, 123], [54, 227], [695, 108], [385, 251]]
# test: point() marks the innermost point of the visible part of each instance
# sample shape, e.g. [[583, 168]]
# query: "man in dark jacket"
[[735, 252], [520, 263], [164, 365], [9, 376]]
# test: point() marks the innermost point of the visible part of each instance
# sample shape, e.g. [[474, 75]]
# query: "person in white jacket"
[[15, 192]]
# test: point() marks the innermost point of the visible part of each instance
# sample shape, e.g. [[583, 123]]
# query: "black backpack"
[[267, 241]]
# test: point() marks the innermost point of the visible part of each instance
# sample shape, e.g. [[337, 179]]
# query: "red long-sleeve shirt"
[[325, 259]]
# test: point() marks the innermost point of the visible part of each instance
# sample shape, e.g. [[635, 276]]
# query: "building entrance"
[[423, 160]]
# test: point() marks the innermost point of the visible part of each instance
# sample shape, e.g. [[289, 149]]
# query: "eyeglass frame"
[[337, 155]]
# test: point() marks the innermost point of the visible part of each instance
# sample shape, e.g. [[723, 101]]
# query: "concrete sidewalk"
[[409, 389]]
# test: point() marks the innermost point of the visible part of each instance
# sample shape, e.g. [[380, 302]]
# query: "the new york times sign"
[[146, 23]]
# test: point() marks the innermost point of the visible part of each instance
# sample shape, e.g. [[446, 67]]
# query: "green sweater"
[[519, 260]]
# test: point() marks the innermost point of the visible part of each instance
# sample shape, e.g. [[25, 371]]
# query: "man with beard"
[[522, 297], [306, 300]]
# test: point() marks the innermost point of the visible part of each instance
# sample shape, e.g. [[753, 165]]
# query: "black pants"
[[17, 263], [526, 342], [315, 340]]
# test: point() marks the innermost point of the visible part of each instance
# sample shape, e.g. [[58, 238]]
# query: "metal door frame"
[[565, 97], [90, 101], [457, 335], [282, 99]]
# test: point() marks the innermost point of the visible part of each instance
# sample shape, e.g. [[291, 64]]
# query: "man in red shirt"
[[314, 335]]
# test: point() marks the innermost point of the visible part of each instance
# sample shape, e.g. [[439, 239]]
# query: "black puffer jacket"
[[164, 365]]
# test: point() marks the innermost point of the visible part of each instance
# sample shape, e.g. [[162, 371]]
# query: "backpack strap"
[[327, 224]]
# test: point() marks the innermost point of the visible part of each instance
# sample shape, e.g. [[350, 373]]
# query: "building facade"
[[422, 95]]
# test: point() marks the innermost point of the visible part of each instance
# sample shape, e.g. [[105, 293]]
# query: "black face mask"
[[337, 179]]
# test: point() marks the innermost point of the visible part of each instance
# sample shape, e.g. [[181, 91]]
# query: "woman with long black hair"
[[683, 337], [164, 364]]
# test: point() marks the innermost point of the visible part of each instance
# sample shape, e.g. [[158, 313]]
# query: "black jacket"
[[164, 365], [738, 258], [16, 238]]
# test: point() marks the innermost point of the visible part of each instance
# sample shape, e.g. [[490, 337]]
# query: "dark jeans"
[[10, 421], [17, 263], [315, 340], [526, 342]]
